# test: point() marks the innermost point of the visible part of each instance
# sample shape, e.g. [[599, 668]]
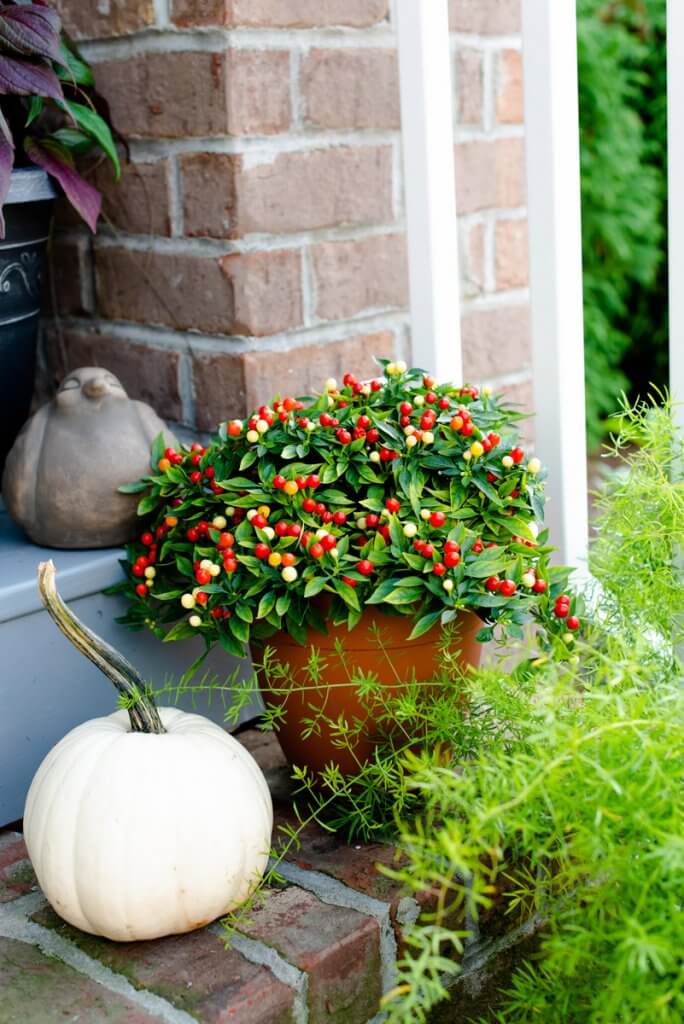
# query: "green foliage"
[[236, 547], [578, 815], [621, 48]]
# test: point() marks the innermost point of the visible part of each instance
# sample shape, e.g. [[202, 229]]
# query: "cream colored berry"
[[252, 436], [320, 534], [487, 392], [188, 601], [409, 430], [534, 466], [467, 455], [448, 585], [150, 572], [195, 621], [528, 580], [334, 553], [391, 369], [250, 515], [419, 400], [411, 441], [331, 384], [428, 437], [220, 522], [149, 582], [289, 574], [507, 462], [375, 456], [269, 532], [366, 390], [425, 513], [215, 570], [400, 366], [310, 426], [410, 530], [362, 523], [261, 426], [206, 563]]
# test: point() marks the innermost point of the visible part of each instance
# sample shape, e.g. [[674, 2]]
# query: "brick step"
[[321, 949]]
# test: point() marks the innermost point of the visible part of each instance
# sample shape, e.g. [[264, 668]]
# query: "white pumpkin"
[[138, 834]]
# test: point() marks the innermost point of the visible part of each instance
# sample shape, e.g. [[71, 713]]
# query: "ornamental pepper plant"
[[401, 493]]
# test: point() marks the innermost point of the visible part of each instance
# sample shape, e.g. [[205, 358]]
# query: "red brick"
[[229, 383], [16, 875], [64, 292], [267, 291], [258, 92], [511, 254], [148, 374], [188, 13], [490, 174], [351, 89], [139, 202], [469, 88], [350, 277], [316, 189], [208, 191], [495, 342], [308, 13], [38, 988], [169, 95], [510, 107], [194, 972], [338, 948], [183, 292], [486, 17], [474, 270], [90, 19]]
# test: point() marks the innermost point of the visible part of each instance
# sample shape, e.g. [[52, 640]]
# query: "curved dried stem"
[[143, 712]]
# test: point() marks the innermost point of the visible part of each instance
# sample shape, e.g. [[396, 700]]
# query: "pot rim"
[[30, 185]]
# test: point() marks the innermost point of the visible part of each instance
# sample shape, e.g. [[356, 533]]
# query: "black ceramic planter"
[[22, 259]]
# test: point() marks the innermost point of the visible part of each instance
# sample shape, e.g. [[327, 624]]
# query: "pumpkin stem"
[[143, 712]]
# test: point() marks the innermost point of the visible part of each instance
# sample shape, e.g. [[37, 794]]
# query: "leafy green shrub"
[[623, 148], [586, 793]]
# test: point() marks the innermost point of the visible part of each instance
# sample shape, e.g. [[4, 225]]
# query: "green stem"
[[143, 712]]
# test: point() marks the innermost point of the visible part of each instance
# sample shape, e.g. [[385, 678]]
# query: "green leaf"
[[230, 644], [266, 605], [348, 594], [487, 490], [248, 459], [404, 596], [134, 488], [184, 566], [157, 451], [314, 586], [181, 631], [90, 122], [244, 612], [75, 70], [35, 109], [148, 504], [282, 604], [239, 629], [425, 624]]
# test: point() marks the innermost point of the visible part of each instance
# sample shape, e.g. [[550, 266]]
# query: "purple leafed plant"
[[49, 110]]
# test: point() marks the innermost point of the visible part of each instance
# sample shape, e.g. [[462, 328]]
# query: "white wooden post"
[[553, 187], [675, 161], [429, 185]]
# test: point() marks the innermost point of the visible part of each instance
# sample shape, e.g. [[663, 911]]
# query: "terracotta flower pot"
[[394, 662]]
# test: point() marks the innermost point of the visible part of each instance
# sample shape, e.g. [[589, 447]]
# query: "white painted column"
[[675, 159], [429, 185], [553, 182]]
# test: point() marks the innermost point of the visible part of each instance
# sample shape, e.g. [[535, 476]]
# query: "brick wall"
[[256, 242]]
